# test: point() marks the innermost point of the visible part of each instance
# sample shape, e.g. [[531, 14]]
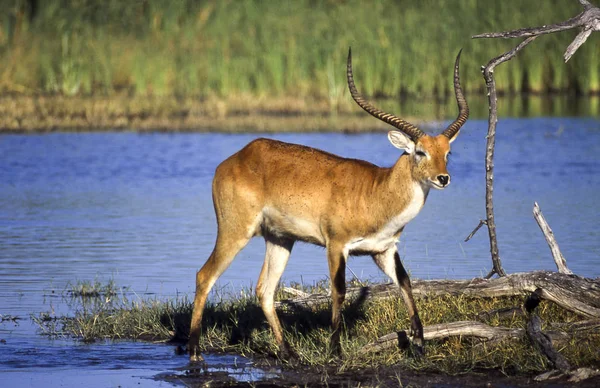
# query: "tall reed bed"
[[273, 48]]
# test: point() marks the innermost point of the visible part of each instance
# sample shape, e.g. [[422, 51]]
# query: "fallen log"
[[445, 330], [574, 293]]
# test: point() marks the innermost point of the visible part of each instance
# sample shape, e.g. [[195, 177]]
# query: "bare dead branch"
[[481, 223], [559, 259], [488, 75], [445, 330], [587, 324], [576, 43], [486, 333], [295, 292], [533, 31], [585, 3], [588, 20], [539, 339], [488, 70], [581, 374]]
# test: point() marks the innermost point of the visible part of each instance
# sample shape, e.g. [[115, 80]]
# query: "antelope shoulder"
[[387, 236]]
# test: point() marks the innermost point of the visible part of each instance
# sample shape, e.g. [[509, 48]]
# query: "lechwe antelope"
[[287, 192]]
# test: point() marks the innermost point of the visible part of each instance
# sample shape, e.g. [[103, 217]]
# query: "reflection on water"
[[137, 209], [230, 367]]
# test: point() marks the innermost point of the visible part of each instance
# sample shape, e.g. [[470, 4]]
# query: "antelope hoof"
[[418, 341], [195, 355], [286, 353], [418, 347], [336, 349]]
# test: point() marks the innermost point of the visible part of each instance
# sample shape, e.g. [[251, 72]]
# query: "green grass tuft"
[[89, 289]]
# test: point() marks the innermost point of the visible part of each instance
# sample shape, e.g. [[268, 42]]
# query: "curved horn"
[[413, 132], [463, 108]]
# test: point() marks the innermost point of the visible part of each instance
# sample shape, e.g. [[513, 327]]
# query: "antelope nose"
[[443, 179]]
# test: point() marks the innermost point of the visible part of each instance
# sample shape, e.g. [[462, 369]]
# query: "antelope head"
[[428, 154]]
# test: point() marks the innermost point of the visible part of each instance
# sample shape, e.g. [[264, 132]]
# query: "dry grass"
[[237, 324]]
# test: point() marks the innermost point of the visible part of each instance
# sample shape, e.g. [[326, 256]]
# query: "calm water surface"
[[137, 208]]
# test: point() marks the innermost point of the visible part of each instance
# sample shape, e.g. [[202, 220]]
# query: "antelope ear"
[[401, 141]]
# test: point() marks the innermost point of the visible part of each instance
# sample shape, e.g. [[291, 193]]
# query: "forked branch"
[[588, 20]]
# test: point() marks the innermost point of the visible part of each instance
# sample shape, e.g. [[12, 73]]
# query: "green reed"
[[296, 48]]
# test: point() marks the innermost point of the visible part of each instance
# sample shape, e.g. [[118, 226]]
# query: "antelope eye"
[[420, 154]]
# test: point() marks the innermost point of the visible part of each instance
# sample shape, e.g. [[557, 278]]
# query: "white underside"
[[284, 224]]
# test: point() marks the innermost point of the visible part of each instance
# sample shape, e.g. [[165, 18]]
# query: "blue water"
[[137, 208]]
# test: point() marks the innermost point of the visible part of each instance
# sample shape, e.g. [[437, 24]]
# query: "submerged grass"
[[236, 324], [92, 289]]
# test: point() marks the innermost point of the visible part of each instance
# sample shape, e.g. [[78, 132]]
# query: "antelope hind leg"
[[276, 257]]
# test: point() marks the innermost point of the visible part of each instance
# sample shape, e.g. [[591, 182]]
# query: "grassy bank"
[[236, 324], [237, 114], [296, 49]]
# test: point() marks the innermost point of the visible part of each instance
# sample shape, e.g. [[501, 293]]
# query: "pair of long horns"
[[412, 131]]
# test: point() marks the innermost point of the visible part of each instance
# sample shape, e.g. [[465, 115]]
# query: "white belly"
[[280, 223]]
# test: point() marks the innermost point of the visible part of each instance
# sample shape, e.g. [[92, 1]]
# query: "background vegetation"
[[298, 48]]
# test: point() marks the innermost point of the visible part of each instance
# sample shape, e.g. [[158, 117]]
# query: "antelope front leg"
[[406, 289], [337, 272], [390, 263]]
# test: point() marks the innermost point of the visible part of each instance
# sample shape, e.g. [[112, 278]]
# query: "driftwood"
[[544, 343], [572, 292], [559, 259], [474, 329], [445, 330]]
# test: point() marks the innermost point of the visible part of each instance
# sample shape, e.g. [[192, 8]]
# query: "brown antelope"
[[287, 192]]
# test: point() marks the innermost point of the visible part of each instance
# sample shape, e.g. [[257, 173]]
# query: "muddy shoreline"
[[390, 376]]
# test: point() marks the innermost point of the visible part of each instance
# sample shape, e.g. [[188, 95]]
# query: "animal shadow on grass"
[[241, 318]]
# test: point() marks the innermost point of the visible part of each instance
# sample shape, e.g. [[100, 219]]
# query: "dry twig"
[[559, 259]]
